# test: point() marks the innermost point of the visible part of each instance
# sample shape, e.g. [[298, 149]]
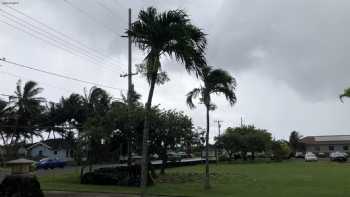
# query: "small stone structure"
[[21, 182], [20, 166]]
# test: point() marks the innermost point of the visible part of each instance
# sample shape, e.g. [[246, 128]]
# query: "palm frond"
[[192, 95], [30, 89], [168, 33], [345, 94]]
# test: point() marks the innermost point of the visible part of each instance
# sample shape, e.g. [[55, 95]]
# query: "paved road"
[[82, 194], [67, 169], [42, 172]]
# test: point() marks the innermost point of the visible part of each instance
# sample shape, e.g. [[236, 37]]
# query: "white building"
[[327, 143], [52, 148]]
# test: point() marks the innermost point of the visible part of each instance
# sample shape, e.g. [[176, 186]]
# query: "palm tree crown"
[[26, 108], [168, 33], [97, 100], [345, 94], [215, 81], [26, 101]]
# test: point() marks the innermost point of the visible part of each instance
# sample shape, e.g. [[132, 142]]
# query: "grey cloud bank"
[[289, 57]]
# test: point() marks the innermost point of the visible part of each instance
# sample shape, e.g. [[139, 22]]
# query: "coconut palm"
[[159, 34], [97, 101], [345, 94], [215, 81], [27, 108]]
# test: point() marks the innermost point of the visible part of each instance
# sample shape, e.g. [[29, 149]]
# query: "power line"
[[53, 41], [49, 36], [78, 43], [47, 41], [111, 11], [21, 77], [90, 16], [58, 75]]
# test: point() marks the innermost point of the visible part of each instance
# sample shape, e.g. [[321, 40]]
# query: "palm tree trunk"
[[207, 182], [145, 143]]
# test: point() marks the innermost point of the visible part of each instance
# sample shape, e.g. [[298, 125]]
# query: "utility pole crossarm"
[[127, 74]]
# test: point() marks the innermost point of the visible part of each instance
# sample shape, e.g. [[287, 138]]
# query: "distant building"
[[51, 148], [327, 143]]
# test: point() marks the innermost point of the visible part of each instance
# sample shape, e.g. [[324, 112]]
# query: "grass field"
[[287, 179]]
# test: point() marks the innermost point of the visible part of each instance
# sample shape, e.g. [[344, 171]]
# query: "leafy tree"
[[295, 142], [280, 149], [73, 110], [82, 112], [258, 140], [215, 81], [345, 94], [26, 109], [52, 119], [170, 129], [246, 139], [231, 142], [198, 139], [168, 33], [97, 103], [3, 120]]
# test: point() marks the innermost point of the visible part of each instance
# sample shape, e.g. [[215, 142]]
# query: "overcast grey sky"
[[290, 58]]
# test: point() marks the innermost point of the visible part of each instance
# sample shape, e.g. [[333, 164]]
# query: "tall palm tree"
[[27, 108], [215, 81], [345, 94], [159, 34], [97, 103]]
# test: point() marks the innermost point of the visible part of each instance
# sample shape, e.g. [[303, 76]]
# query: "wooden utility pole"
[[130, 86], [219, 125], [129, 62]]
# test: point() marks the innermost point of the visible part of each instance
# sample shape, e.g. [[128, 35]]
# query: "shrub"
[[20, 185], [280, 150], [123, 176]]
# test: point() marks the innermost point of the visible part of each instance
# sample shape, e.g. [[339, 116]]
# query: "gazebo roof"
[[20, 161]]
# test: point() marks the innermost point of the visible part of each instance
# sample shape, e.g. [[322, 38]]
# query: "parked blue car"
[[50, 164]]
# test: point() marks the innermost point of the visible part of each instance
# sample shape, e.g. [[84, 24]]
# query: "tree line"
[[93, 120], [239, 141]]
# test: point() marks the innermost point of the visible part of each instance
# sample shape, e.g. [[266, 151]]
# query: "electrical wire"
[[90, 16], [78, 43], [47, 41], [21, 77], [59, 75], [50, 36]]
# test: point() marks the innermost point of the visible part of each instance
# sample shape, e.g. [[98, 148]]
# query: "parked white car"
[[310, 157], [338, 156]]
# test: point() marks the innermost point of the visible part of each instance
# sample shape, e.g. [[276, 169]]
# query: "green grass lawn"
[[287, 179]]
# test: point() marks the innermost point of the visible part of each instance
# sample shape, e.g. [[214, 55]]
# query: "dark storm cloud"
[[301, 43], [290, 57]]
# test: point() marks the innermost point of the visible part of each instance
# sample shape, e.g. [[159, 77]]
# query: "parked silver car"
[[338, 156]]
